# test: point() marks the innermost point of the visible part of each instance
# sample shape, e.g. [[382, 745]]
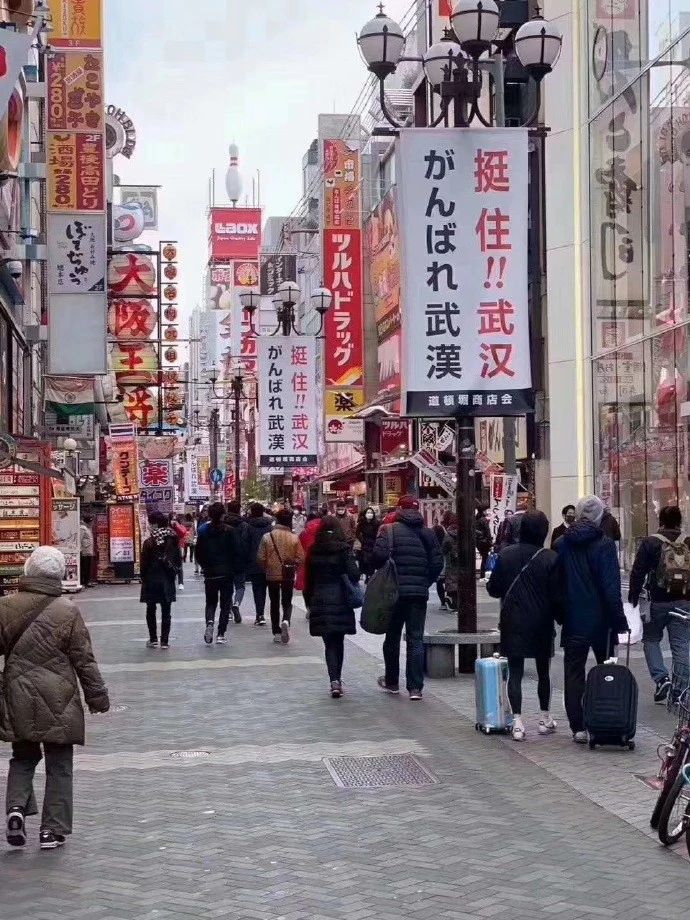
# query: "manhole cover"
[[377, 772], [190, 755]]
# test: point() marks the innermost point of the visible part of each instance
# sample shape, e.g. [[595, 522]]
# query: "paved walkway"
[[210, 791]]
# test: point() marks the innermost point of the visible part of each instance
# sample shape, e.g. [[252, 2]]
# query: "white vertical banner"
[[287, 401], [462, 194], [503, 498]]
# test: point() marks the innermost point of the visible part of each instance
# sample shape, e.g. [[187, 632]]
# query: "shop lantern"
[[171, 377], [174, 398], [170, 334], [170, 355], [170, 313], [170, 271], [170, 292], [132, 273], [141, 406], [169, 252], [132, 319], [134, 364]]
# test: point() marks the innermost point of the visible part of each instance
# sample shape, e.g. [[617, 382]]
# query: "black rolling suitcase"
[[610, 705]]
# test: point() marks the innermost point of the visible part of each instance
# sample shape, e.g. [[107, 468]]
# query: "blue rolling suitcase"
[[491, 691]]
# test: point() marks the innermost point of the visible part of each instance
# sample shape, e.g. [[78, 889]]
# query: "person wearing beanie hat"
[[48, 655], [593, 615], [417, 555]]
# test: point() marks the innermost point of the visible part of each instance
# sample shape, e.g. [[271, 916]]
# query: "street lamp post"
[[466, 67], [237, 393]]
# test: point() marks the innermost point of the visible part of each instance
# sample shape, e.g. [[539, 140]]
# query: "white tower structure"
[[233, 179]]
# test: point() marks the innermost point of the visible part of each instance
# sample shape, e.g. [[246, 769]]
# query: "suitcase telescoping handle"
[[608, 646]]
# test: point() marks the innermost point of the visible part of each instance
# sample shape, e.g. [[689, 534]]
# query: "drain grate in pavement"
[[190, 755], [378, 772]]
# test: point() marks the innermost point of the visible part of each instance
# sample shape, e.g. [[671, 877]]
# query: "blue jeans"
[[678, 637], [409, 612]]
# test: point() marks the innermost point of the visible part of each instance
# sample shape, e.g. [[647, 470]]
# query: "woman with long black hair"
[[331, 615]]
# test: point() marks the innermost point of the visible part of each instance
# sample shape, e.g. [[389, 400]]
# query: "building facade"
[[617, 239]]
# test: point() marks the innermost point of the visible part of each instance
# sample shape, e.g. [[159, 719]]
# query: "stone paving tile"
[[266, 840]]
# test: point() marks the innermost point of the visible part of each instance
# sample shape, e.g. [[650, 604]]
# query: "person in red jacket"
[[183, 536], [307, 539]]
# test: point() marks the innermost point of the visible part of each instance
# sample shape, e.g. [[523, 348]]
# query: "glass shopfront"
[[639, 205]]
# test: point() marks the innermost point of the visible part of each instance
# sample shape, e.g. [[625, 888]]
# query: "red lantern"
[[170, 313], [140, 406], [171, 376], [170, 252], [170, 355], [131, 273], [170, 292], [170, 271], [170, 334], [132, 319]]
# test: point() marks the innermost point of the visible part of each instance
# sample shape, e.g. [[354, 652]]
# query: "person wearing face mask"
[[568, 519], [347, 522], [367, 531]]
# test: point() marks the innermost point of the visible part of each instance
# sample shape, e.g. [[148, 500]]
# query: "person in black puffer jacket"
[[330, 615], [419, 562], [259, 524], [217, 553], [525, 580], [240, 529], [367, 530]]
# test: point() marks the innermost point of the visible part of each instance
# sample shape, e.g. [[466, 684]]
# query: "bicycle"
[[672, 810]]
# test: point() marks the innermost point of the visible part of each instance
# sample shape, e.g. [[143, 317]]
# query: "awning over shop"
[[341, 479]]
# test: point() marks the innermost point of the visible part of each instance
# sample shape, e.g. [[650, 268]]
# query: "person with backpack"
[[240, 529], [328, 566], [592, 615], [419, 562], [525, 580], [662, 565], [280, 555], [217, 552], [161, 560]]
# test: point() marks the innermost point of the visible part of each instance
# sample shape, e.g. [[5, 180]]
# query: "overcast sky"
[[196, 74]]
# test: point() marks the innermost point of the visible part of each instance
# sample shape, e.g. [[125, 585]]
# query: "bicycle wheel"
[[672, 771], [674, 815]]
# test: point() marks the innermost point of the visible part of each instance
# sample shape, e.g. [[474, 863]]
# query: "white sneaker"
[[580, 737], [518, 732], [221, 640], [180, 587], [547, 728], [285, 632]]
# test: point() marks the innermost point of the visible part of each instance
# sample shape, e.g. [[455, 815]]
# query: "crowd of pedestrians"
[[575, 582]]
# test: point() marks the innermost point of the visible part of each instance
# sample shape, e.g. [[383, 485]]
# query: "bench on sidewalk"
[[440, 649]]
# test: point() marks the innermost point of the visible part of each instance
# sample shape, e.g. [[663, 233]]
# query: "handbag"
[[381, 595], [354, 593], [4, 706], [288, 569]]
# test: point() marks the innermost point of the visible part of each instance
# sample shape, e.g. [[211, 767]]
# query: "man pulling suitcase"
[[593, 609]]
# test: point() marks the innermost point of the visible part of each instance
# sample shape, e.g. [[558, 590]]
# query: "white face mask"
[[341, 512], [370, 516]]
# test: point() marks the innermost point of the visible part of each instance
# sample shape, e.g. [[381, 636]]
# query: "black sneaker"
[[662, 691], [261, 621], [387, 687], [16, 829], [336, 689], [236, 613], [415, 695], [208, 634], [50, 841]]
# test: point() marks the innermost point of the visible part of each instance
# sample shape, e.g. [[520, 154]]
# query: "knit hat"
[[591, 509], [408, 503], [45, 562]]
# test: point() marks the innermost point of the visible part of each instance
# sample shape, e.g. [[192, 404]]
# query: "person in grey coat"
[[48, 656], [330, 615]]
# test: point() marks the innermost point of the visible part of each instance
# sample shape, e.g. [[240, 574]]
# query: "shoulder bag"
[[288, 569], [521, 573], [33, 616], [382, 594], [354, 592]]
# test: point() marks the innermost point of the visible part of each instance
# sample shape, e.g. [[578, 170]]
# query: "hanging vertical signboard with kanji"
[[465, 328], [287, 402]]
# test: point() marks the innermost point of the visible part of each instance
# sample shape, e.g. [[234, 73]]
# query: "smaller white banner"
[[426, 463], [503, 498], [77, 253]]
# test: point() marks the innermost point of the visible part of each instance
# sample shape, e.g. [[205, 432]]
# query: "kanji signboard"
[[342, 254], [75, 91], [235, 233], [342, 185], [77, 247], [76, 23], [275, 269], [287, 402], [76, 172], [465, 330], [125, 468], [155, 473]]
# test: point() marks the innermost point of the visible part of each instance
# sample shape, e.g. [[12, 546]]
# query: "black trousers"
[[57, 802], [516, 671], [165, 622], [334, 644], [576, 650], [85, 570], [280, 595], [441, 589], [259, 588], [219, 589], [483, 559]]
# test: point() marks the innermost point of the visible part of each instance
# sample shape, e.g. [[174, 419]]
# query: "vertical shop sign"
[[121, 527], [125, 468], [463, 197], [287, 402], [503, 498], [65, 536], [76, 23]]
